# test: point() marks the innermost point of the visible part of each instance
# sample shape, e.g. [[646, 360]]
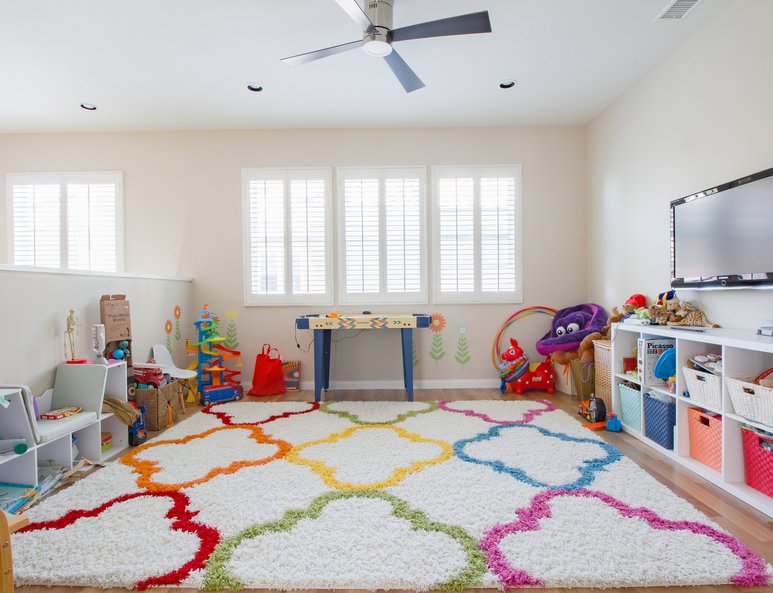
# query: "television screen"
[[724, 236]]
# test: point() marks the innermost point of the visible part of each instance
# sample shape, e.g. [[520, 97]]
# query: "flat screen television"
[[723, 237]]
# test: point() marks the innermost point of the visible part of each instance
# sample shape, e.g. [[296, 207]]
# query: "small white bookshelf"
[[14, 423]]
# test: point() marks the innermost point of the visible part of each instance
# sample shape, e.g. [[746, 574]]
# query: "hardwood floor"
[[746, 523]]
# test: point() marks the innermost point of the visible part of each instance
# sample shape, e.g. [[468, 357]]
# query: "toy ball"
[[126, 353], [118, 354], [123, 344]]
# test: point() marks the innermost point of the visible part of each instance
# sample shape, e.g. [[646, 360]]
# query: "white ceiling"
[[184, 64]]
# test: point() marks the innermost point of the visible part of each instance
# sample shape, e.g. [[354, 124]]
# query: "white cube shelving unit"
[[744, 354], [22, 469]]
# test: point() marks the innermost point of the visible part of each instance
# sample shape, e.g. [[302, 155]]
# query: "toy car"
[[150, 375], [221, 393]]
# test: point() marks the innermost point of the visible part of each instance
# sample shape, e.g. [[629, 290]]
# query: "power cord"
[[308, 348]]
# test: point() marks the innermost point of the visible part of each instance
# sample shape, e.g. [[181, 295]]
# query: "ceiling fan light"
[[377, 48]]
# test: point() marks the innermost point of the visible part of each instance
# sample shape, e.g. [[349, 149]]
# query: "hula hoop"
[[496, 355]]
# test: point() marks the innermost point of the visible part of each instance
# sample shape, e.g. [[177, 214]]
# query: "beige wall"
[[183, 217], [35, 307], [703, 117]]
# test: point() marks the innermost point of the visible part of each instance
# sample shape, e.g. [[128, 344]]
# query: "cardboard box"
[[291, 372], [115, 315]]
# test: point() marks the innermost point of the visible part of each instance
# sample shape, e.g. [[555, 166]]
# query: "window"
[[477, 234], [67, 220], [381, 235], [287, 236]]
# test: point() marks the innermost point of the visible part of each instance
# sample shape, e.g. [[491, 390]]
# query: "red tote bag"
[[267, 378]]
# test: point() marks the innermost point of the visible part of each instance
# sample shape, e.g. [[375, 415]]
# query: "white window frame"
[[287, 298], [383, 296], [63, 179], [477, 295]]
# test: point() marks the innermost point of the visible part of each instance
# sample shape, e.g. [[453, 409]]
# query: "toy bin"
[[704, 388], [630, 406], [758, 461], [750, 400], [705, 437], [659, 420], [603, 370]]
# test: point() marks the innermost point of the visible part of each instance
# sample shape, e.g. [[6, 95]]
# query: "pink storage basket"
[[758, 461]]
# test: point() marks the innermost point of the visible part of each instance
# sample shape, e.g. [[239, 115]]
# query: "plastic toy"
[[518, 375], [18, 446], [137, 433], [98, 343], [148, 375], [69, 338], [496, 355], [614, 424], [665, 367], [216, 383]]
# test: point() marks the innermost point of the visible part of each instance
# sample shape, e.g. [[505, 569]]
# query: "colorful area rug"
[[376, 495]]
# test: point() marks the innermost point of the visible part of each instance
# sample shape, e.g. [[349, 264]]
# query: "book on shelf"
[[15, 496], [649, 351]]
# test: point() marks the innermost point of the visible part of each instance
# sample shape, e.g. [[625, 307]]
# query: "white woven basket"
[[704, 388], [750, 400]]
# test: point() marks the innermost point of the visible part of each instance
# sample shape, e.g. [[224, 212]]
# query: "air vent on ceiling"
[[677, 10]]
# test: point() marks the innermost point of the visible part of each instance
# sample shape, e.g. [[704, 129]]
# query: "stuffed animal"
[[519, 375], [572, 332], [690, 315]]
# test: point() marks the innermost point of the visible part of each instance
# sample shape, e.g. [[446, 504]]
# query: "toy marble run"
[[216, 382]]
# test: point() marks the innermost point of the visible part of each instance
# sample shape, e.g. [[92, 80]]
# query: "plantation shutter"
[[267, 250], [361, 236], [477, 234], [67, 220], [497, 234], [403, 235], [91, 227], [287, 228], [382, 244], [36, 225], [456, 225], [307, 207]]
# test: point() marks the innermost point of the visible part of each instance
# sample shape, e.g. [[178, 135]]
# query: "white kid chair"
[[162, 357]]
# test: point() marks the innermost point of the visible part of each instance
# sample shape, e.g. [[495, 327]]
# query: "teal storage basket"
[[630, 406]]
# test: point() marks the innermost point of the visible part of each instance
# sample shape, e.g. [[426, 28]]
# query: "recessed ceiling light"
[[255, 87], [508, 84], [89, 107]]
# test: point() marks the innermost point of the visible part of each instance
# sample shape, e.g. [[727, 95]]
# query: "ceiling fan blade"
[[476, 22], [353, 9], [321, 53], [403, 72]]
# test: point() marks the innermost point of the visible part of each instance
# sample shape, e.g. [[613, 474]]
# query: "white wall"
[[183, 217], [703, 117], [35, 307]]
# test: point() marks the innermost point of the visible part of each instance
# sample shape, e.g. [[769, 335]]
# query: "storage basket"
[[162, 406], [704, 388], [758, 461], [750, 400], [630, 406], [705, 438], [659, 420], [602, 354]]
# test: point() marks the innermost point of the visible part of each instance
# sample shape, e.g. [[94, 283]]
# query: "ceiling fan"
[[378, 36]]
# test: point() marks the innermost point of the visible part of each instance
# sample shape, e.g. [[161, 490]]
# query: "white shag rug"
[[376, 495]]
